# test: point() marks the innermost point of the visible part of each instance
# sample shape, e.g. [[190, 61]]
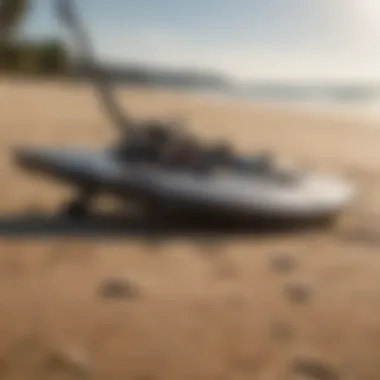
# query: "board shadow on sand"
[[103, 226]]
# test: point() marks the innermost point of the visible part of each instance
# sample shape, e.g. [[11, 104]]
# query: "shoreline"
[[357, 110]]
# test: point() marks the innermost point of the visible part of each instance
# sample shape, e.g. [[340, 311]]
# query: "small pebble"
[[119, 288], [298, 293]]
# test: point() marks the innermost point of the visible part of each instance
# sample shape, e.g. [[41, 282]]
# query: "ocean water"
[[360, 100], [363, 102]]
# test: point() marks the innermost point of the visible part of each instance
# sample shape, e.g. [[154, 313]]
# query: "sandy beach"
[[291, 307]]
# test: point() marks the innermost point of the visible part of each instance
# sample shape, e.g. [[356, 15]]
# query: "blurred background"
[[309, 52]]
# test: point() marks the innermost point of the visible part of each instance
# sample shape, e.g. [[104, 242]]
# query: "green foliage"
[[48, 58], [11, 14], [8, 56]]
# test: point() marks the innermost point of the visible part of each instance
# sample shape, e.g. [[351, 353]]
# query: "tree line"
[[33, 58], [52, 59]]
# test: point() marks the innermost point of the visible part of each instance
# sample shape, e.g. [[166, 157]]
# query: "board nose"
[[23, 157], [31, 158]]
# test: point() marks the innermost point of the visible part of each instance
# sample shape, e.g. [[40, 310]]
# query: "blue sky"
[[247, 39]]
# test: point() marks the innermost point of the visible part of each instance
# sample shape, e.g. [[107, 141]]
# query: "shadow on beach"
[[41, 225]]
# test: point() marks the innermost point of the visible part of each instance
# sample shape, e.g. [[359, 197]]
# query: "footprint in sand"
[[119, 288], [281, 332], [283, 263], [298, 293], [310, 368]]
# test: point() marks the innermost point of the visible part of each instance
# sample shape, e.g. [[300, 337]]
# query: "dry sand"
[[275, 307]]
